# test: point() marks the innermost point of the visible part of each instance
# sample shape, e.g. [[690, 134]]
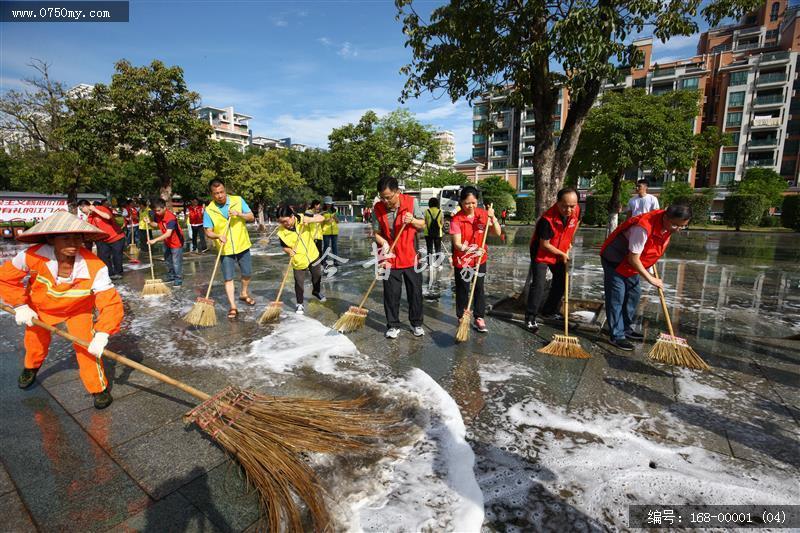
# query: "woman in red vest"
[[628, 253], [389, 214], [109, 249], [467, 228], [550, 245], [172, 235]]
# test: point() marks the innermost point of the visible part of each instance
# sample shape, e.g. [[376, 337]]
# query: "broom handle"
[[477, 270], [149, 248], [566, 288], [200, 395], [664, 304], [374, 280], [219, 255]]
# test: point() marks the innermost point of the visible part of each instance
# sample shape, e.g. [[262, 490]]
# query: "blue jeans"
[[330, 243], [229, 263], [173, 257], [622, 299]]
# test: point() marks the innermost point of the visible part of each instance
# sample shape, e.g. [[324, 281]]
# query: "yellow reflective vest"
[[301, 240], [237, 238], [316, 227], [431, 214], [331, 224]]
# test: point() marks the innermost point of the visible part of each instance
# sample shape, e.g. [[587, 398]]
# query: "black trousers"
[[198, 233], [318, 243], [111, 255], [536, 294], [433, 243], [300, 278], [462, 291], [392, 291]]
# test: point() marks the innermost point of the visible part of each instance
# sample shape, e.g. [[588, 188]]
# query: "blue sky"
[[299, 68]]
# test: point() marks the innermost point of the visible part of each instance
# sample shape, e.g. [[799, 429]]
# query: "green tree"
[[442, 177], [743, 210], [261, 179], [529, 51], [497, 191], [315, 167], [763, 182], [633, 129], [394, 145], [152, 110], [673, 191], [526, 209]]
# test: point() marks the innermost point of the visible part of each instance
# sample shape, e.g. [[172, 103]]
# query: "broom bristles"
[[462, 333], [565, 346], [202, 313], [155, 287], [676, 351], [272, 313], [267, 435], [133, 250], [351, 320]]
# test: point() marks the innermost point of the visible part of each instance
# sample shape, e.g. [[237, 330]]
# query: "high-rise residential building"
[[448, 142], [745, 76], [228, 125]]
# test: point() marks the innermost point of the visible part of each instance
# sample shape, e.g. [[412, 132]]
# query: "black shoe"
[[555, 317], [531, 325], [27, 377], [102, 399], [622, 344], [634, 336]]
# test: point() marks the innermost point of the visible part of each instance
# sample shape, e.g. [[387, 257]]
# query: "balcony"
[[664, 72], [768, 100], [767, 142], [746, 46], [750, 30], [766, 122], [761, 163], [775, 57], [528, 134], [773, 77], [500, 139]]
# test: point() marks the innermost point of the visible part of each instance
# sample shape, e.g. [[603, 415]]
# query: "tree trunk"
[[164, 180], [261, 224], [613, 203]]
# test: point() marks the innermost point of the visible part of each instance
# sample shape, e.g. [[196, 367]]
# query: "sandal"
[[248, 300], [233, 314]]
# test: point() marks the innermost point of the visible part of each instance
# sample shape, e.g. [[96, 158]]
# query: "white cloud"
[[7, 84], [347, 50], [325, 41], [313, 129], [680, 42], [444, 111], [219, 95], [281, 23]]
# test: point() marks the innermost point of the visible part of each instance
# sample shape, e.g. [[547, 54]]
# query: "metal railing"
[[774, 77], [661, 73], [774, 56], [770, 141], [772, 121], [771, 99], [761, 163]]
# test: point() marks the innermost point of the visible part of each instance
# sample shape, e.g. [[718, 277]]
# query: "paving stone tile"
[[173, 513], [15, 516]]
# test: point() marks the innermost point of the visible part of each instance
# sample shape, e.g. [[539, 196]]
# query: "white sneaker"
[[392, 333], [299, 310], [418, 331]]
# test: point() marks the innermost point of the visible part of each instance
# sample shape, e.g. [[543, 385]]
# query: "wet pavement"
[[558, 444]]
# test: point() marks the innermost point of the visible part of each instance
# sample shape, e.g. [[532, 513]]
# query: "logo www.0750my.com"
[[65, 11]]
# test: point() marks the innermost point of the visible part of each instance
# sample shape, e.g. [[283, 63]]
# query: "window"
[[479, 152], [771, 34], [736, 100], [725, 178], [773, 13], [499, 164], [734, 139], [478, 139], [729, 159], [477, 124], [556, 125], [738, 78], [480, 110], [734, 119], [640, 82], [690, 83]]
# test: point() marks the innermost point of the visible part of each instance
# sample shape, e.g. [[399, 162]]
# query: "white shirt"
[[80, 270], [639, 205]]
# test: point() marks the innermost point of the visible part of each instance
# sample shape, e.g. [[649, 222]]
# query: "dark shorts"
[[229, 265]]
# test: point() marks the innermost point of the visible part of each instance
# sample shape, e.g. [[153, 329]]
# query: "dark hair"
[[284, 211], [313, 204], [84, 202], [566, 190], [159, 202], [466, 191], [97, 202], [387, 182], [643, 181], [216, 182], [433, 202], [679, 212]]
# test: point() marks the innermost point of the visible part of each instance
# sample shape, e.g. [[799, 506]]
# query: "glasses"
[[389, 198], [673, 227]]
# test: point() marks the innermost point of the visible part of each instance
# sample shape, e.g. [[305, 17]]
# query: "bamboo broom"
[[273, 311], [673, 350], [133, 250], [153, 286], [356, 317], [202, 312], [462, 333], [565, 345], [268, 436]]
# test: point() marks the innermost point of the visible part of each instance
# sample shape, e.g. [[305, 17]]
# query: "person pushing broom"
[[628, 253], [296, 233], [235, 242], [66, 283]]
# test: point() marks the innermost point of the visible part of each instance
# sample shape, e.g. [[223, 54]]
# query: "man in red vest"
[[172, 235], [550, 245], [196, 211], [628, 253], [109, 249], [389, 214]]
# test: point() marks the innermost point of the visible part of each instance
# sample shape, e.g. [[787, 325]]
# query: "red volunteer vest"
[[562, 235], [472, 232], [195, 215], [654, 248], [405, 254], [133, 216], [109, 227], [176, 239]]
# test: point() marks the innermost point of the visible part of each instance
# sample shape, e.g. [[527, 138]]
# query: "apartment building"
[[228, 125], [744, 74], [448, 141]]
